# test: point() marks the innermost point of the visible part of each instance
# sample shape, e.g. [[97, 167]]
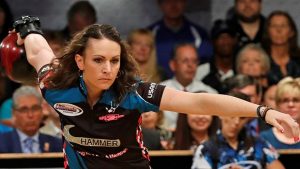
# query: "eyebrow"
[[116, 56]]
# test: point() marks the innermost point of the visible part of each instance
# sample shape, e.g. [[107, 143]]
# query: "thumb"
[[20, 41]]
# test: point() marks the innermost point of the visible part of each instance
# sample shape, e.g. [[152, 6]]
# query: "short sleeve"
[[151, 92]]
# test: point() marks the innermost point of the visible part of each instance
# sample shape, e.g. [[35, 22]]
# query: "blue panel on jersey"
[[71, 95], [75, 161], [132, 101]]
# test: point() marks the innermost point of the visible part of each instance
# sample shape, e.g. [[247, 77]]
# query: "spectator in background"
[[233, 148], [25, 138], [192, 130], [80, 15], [142, 48], [248, 21], [175, 28], [6, 19], [287, 100], [280, 42], [253, 61], [221, 66], [183, 64]]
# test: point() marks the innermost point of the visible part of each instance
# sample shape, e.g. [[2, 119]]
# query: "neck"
[[250, 29], [223, 63], [200, 136], [173, 22], [184, 83], [280, 51]]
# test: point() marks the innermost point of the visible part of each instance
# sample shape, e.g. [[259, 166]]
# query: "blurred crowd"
[[247, 55]]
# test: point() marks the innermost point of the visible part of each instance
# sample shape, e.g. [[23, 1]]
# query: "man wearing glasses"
[[26, 138]]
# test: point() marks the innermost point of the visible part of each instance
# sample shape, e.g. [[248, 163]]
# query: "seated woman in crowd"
[[192, 130], [253, 61], [142, 48], [280, 42], [233, 148], [287, 100]]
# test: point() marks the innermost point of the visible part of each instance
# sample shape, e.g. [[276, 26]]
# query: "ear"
[[79, 61], [172, 65]]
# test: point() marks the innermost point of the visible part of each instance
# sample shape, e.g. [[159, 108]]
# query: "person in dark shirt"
[[248, 21], [174, 28]]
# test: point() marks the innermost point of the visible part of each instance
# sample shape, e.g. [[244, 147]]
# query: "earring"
[[80, 73]]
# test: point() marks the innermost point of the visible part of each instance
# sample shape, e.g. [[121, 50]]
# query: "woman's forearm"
[[38, 51]]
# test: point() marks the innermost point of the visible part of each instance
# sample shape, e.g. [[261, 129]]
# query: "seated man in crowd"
[[25, 138], [183, 63]]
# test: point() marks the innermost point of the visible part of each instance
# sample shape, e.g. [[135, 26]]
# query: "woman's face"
[[251, 63], [199, 123], [290, 103], [279, 30], [100, 63], [141, 48], [231, 126]]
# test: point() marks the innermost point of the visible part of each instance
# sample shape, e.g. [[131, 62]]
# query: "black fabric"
[[27, 25], [151, 92]]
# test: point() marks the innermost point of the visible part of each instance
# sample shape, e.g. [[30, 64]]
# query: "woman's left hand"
[[284, 123]]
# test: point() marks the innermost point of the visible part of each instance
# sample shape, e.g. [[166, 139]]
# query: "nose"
[[236, 120], [106, 67]]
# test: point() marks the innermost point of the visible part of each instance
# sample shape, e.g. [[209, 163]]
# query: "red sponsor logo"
[[109, 156], [111, 117]]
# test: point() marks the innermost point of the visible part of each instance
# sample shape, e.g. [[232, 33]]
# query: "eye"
[[115, 61], [97, 60]]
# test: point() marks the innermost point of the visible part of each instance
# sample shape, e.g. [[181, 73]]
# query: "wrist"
[[262, 112]]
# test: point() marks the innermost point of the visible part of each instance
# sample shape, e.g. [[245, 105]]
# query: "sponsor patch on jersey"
[[111, 117], [68, 109], [151, 90], [90, 142]]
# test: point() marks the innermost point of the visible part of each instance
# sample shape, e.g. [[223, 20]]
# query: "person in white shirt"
[[183, 63]]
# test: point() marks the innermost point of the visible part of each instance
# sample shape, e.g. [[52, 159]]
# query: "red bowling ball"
[[14, 62]]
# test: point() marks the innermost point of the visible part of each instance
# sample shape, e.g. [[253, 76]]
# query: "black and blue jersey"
[[107, 135]]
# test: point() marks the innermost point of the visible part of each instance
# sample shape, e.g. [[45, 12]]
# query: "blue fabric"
[[270, 137], [6, 109], [4, 128], [10, 143], [219, 153], [166, 39]]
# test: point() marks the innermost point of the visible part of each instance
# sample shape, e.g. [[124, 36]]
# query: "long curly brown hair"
[[66, 72]]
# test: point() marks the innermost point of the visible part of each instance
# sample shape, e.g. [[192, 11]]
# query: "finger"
[[278, 126], [295, 130]]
